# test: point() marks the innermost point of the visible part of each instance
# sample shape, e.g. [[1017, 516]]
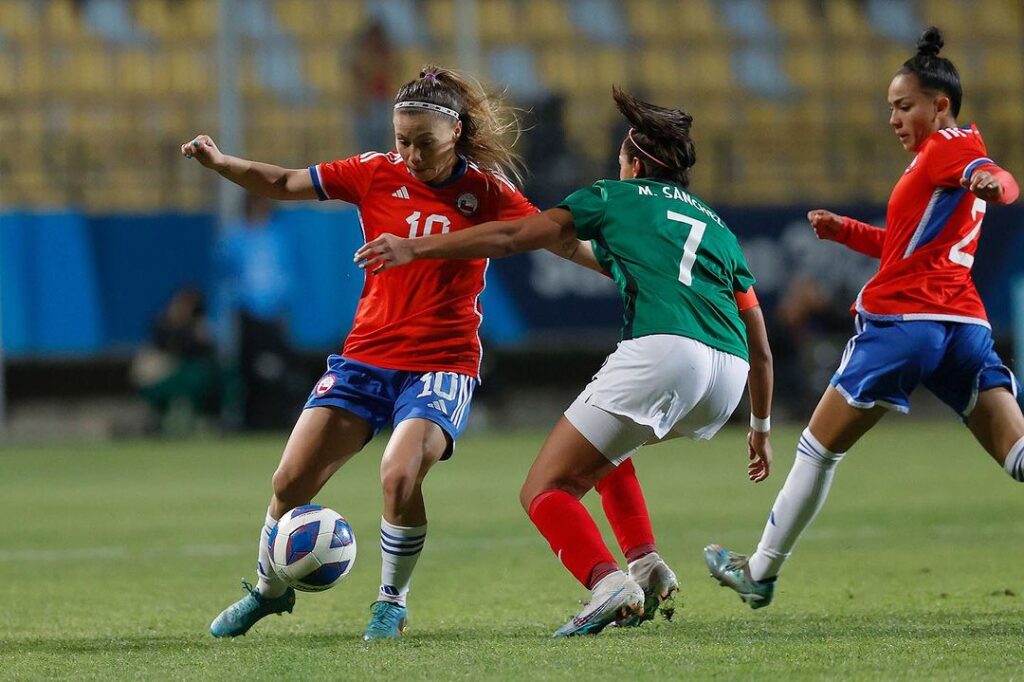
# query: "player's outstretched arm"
[[495, 239], [579, 252], [860, 237], [760, 384], [266, 179]]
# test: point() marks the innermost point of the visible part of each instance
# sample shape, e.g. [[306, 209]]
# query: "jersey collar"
[[460, 169]]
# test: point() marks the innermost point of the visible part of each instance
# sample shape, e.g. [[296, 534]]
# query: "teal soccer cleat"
[[387, 621], [236, 619], [731, 570]]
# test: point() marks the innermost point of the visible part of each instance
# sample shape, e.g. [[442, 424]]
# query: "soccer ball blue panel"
[[312, 548]]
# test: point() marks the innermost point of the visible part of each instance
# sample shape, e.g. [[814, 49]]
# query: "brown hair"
[[660, 138], [486, 121]]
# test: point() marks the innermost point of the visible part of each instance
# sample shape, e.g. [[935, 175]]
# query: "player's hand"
[[203, 150], [826, 224], [759, 450], [984, 185], [383, 253]]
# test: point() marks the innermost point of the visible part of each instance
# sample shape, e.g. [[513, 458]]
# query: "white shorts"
[[654, 386]]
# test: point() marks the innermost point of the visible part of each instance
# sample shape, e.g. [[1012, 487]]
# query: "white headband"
[[428, 105]]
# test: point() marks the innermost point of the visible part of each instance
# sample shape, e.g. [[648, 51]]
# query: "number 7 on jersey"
[[697, 228]]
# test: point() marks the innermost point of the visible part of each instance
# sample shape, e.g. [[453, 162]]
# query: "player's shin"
[[573, 535], [400, 548], [798, 503], [624, 505], [268, 584]]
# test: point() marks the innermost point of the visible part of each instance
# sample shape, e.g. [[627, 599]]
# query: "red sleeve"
[[861, 237], [347, 180], [953, 154], [745, 300], [512, 204], [1010, 189]]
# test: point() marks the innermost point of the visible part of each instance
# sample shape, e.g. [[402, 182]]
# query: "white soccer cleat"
[[659, 584], [615, 599]]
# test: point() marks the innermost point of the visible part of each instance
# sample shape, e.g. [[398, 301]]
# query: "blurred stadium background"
[[140, 295]]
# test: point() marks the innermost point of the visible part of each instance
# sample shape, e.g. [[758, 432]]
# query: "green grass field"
[[114, 559]]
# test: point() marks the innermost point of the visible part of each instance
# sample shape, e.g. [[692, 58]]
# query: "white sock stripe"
[[391, 544], [1014, 464], [809, 447]]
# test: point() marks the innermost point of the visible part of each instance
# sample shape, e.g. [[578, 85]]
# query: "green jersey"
[[674, 260]]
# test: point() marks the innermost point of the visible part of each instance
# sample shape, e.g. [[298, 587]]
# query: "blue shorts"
[[390, 396], [885, 361]]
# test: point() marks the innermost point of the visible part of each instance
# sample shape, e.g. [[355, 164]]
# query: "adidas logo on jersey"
[[401, 193], [439, 406]]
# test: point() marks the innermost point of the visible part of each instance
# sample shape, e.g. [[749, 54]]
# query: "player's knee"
[[289, 488], [397, 485]]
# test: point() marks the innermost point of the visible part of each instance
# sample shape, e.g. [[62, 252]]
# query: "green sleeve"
[[587, 206], [742, 278]]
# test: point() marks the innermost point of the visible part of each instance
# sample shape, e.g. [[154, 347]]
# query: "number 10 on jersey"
[[432, 221]]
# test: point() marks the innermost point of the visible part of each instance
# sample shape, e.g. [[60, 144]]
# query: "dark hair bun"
[[930, 42]]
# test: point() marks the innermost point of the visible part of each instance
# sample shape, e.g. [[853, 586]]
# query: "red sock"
[[573, 535], [624, 505]]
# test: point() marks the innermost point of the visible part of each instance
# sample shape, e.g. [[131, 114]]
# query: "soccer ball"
[[312, 548]]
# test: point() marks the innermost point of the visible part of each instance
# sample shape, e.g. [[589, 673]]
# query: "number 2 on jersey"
[[956, 253], [690, 246]]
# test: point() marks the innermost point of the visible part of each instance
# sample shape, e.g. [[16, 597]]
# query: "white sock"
[[267, 582], [400, 547], [1014, 463], [796, 506]]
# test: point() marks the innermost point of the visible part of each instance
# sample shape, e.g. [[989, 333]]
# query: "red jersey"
[[931, 233], [424, 316]]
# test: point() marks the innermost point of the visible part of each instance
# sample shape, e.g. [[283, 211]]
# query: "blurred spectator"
[[257, 263], [399, 18], [177, 374], [553, 167], [373, 69]]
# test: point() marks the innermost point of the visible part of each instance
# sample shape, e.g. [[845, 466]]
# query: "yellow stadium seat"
[[8, 79], [154, 17], [18, 19], [695, 21], [1002, 68], [547, 20], [795, 18], [342, 19], [844, 18], [188, 71], [134, 71], [659, 69], [499, 21], [855, 66], [61, 20], [199, 16], [806, 66], [707, 70], [32, 71], [647, 20], [1000, 19], [440, 17], [559, 68], [603, 67]]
